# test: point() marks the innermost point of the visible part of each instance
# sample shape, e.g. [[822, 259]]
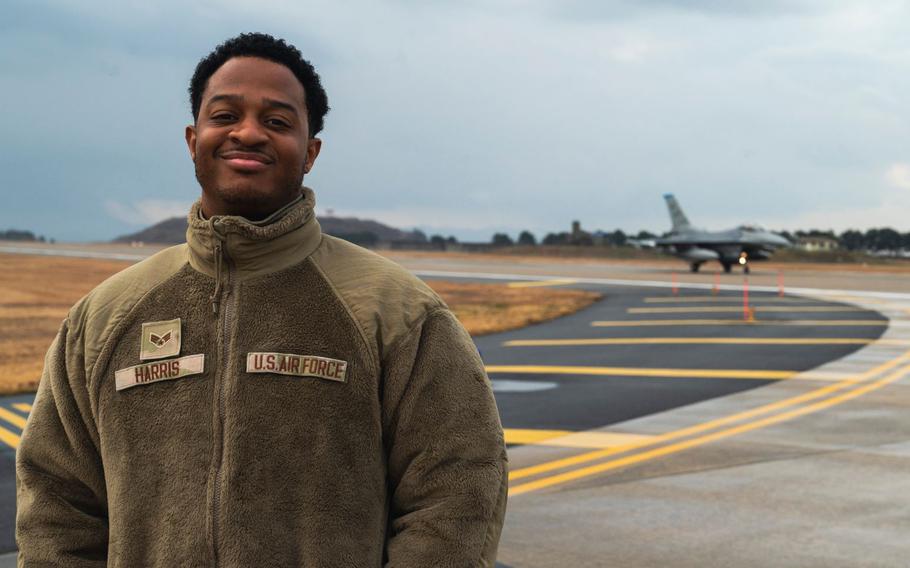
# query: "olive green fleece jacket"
[[315, 405]]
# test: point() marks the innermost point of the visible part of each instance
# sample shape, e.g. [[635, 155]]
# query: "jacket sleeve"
[[448, 475], [61, 517]]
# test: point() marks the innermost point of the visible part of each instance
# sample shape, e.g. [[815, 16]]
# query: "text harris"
[[159, 371]]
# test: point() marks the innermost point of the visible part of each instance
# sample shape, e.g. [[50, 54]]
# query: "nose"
[[248, 132]]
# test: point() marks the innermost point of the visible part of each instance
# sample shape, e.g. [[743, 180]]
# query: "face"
[[250, 144]]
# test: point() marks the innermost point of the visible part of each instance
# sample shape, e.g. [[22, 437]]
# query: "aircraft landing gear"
[[727, 267], [695, 266], [745, 269]]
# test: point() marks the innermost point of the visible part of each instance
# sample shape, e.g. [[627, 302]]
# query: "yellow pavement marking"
[[538, 283], [9, 438], [12, 418], [642, 372], [701, 341], [686, 444], [23, 406], [669, 322], [711, 424], [734, 309], [679, 299], [569, 439]]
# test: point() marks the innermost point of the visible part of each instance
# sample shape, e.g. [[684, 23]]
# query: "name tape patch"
[[159, 371], [297, 365]]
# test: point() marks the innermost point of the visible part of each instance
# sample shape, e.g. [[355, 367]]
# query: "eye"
[[278, 122], [222, 117]]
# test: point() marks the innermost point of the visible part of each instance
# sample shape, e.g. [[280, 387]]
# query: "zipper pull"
[[216, 295]]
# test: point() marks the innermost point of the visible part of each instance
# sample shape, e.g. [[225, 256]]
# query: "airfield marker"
[[674, 286], [746, 311], [716, 289], [780, 283]]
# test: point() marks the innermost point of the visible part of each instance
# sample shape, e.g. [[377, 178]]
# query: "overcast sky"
[[467, 118]]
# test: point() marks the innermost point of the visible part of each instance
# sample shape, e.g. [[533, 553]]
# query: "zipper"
[[224, 319]]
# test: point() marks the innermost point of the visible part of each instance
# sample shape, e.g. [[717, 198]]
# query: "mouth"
[[247, 162]]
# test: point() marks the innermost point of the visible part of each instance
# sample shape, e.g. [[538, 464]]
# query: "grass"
[[491, 308], [36, 292]]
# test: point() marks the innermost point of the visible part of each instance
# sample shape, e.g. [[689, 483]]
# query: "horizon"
[[538, 235]]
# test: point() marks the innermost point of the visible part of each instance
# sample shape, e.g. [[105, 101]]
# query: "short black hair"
[[266, 47]]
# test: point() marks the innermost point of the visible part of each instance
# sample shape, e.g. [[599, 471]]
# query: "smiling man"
[[264, 395]]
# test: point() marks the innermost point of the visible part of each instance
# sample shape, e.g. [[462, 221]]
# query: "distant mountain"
[[168, 232], [349, 227], [360, 231]]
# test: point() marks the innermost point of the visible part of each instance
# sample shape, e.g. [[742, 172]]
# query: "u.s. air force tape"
[[297, 365], [159, 371]]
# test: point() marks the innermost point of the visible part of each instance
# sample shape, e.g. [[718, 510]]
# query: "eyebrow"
[[280, 104], [268, 102], [228, 98]]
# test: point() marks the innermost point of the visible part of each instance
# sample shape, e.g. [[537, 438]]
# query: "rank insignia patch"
[[160, 339]]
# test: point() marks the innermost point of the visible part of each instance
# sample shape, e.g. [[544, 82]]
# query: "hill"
[[360, 231]]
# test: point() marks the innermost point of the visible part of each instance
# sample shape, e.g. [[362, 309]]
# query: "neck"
[[252, 211]]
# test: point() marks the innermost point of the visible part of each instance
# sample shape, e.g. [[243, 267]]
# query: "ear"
[[191, 141], [312, 151]]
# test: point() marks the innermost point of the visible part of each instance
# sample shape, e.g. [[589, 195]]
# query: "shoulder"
[[384, 298], [95, 315]]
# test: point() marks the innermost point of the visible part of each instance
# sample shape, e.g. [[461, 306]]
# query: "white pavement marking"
[[505, 385], [73, 253]]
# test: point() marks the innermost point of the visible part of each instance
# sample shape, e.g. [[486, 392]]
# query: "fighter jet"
[[735, 246]]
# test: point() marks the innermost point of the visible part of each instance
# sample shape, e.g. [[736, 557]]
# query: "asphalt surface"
[[624, 381], [572, 402]]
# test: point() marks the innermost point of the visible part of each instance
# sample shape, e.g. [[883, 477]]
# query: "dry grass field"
[[37, 291], [491, 308], [35, 294]]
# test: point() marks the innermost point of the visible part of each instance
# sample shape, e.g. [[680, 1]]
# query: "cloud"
[[884, 205], [635, 50], [480, 116], [146, 212], [898, 175], [620, 9]]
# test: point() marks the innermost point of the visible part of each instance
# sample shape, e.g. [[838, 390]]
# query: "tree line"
[[17, 235], [614, 238], [877, 239]]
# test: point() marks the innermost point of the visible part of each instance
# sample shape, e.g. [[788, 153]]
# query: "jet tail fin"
[[679, 219]]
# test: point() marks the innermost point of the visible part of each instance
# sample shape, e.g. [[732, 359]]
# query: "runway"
[[684, 415], [572, 376]]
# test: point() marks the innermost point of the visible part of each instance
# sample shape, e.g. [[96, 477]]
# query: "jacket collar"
[[252, 248]]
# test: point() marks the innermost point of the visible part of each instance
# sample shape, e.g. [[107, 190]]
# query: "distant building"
[[816, 244], [579, 236]]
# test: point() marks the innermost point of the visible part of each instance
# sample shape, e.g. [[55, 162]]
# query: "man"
[[264, 395]]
